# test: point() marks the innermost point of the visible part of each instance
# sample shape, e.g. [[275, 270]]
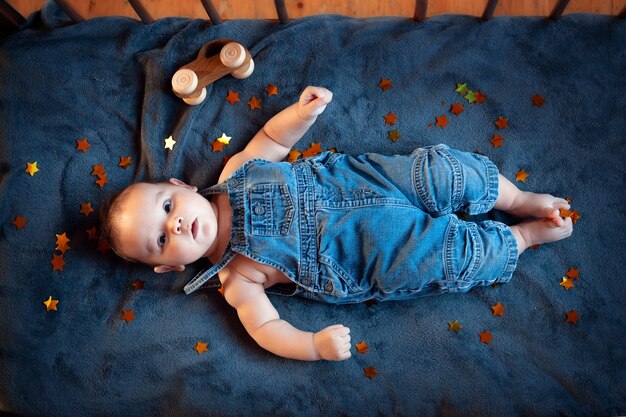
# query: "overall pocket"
[[271, 209]]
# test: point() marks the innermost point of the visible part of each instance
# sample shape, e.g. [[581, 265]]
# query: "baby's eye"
[[161, 239], [167, 206]]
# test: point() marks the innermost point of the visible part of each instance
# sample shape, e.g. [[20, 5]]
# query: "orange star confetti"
[[361, 347], [294, 155], [102, 180], [51, 304], [62, 243], [480, 97], [567, 283], [233, 97], [498, 309], [390, 119], [370, 372], [92, 233], [385, 84], [393, 135], [573, 273], [485, 337], [57, 262], [314, 149], [86, 209], [98, 170], [457, 108], [442, 121], [271, 90], [521, 175], [31, 168], [572, 317], [217, 146], [254, 103], [537, 100], [497, 140], [201, 347], [128, 316], [19, 222], [501, 122], [454, 326], [125, 161], [82, 145], [137, 284]]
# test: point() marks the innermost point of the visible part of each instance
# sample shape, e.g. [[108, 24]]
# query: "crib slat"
[[281, 11], [559, 8], [9, 17], [69, 10], [489, 9], [212, 12], [141, 11], [420, 10]]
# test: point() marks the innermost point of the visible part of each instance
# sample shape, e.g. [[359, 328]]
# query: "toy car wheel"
[[193, 101], [233, 55], [245, 72], [184, 82]]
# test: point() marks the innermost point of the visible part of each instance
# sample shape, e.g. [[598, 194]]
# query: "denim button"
[[328, 287], [234, 182], [258, 209], [306, 281]]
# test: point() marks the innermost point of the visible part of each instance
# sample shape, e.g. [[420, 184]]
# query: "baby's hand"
[[333, 343], [313, 101]]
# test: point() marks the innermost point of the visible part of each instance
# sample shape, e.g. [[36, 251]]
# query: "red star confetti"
[[57, 262], [62, 243], [385, 84], [254, 103], [125, 161], [442, 121], [82, 145], [485, 337], [86, 209], [501, 123], [31, 168], [573, 273], [51, 304], [457, 108], [498, 309], [390, 119], [19, 222], [271, 90], [169, 143], [361, 347], [370, 372], [454, 326], [393, 135], [480, 97], [201, 347], [217, 146], [233, 97], [537, 100], [497, 140], [137, 284], [128, 316], [572, 317], [521, 175], [567, 283]]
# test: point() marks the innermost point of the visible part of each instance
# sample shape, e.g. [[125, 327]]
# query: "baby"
[[333, 228]]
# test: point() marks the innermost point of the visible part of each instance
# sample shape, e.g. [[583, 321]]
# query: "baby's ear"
[[159, 269], [180, 183]]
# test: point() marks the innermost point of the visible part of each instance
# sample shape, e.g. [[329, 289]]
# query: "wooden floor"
[[264, 9]]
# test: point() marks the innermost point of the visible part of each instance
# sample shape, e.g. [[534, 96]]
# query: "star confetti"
[[567, 283], [125, 161], [201, 347], [128, 316], [362, 347], [31, 168], [497, 140], [169, 143], [51, 304], [572, 214], [461, 88], [572, 317], [62, 243], [502, 123], [454, 326], [485, 337], [393, 135], [385, 84], [92, 233], [521, 175], [217, 145], [294, 155], [370, 372], [19, 222], [82, 145], [86, 209], [100, 172], [137, 284], [224, 139], [314, 149], [498, 309], [390, 119], [537, 100], [271, 90], [573, 273], [254, 103], [480, 97], [233, 97], [470, 96], [457, 108], [442, 121], [57, 262]]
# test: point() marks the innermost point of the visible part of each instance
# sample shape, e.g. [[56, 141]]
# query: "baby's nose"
[[177, 225]]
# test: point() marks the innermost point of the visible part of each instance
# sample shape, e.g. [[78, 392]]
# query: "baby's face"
[[165, 224]]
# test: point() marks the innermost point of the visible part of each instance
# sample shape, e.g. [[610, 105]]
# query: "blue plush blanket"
[[553, 351]]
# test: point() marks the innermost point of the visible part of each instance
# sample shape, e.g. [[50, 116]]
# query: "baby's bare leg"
[[535, 232]]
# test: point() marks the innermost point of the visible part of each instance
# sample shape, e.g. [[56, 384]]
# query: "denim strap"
[[210, 274]]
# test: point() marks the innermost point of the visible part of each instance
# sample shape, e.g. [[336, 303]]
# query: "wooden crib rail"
[[11, 19]]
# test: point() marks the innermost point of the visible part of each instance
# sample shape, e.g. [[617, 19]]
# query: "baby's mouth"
[[194, 228]]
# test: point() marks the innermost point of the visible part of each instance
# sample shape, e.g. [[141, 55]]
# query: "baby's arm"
[[263, 323], [274, 141]]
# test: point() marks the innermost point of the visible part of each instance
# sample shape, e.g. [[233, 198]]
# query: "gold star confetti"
[[31, 168], [51, 304], [567, 283], [454, 325], [224, 139], [393, 135], [169, 143]]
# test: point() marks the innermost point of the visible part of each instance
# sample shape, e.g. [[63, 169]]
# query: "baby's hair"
[[109, 209]]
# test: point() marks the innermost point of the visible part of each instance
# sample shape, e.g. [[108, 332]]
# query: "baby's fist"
[[333, 343], [313, 101]]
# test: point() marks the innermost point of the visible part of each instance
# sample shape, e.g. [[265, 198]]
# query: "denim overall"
[[347, 229]]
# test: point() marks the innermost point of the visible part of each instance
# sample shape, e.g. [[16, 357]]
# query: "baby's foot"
[[536, 232], [543, 206]]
